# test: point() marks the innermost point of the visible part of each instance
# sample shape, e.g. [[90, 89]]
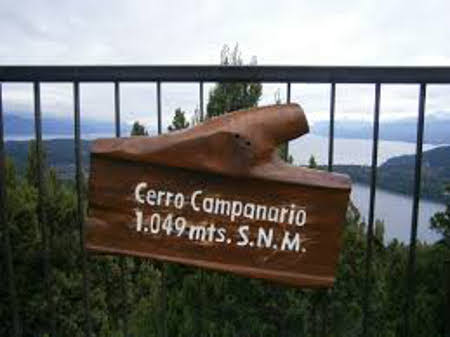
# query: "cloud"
[[173, 32]]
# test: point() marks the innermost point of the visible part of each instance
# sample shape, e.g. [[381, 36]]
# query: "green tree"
[[283, 151], [138, 130], [312, 162], [226, 97], [440, 222], [179, 121], [32, 164]]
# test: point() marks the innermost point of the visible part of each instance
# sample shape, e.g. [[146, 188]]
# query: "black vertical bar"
[[202, 117], [80, 207], [288, 100], [201, 300], [123, 288], [41, 187], [163, 299], [288, 92], [331, 132], [117, 107], [314, 320], [324, 313], [373, 183], [158, 106], [163, 326], [223, 289], [447, 305], [122, 260], [201, 283], [411, 278], [16, 328]]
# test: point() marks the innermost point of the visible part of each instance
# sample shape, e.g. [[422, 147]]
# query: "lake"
[[348, 151], [396, 211], [394, 208]]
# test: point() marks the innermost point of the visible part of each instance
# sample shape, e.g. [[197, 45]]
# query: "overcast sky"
[[193, 32]]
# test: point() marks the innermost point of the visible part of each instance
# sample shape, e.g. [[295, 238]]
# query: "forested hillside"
[[202, 303], [436, 129], [60, 155], [397, 174]]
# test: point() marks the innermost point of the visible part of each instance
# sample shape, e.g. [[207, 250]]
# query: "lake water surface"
[[394, 208], [348, 151]]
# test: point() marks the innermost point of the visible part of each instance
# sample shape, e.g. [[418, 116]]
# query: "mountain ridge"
[[436, 130], [23, 126]]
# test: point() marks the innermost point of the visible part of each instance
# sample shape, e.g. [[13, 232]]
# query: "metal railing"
[[201, 74]]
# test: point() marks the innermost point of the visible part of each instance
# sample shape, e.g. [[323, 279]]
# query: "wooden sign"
[[217, 196]]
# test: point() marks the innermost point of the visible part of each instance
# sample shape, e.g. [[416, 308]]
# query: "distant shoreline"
[[28, 137], [399, 180], [95, 135]]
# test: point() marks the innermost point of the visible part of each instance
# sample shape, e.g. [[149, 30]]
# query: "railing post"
[[163, 294], [331, 132], [80, 206], [163, 300], [324, 313], [42, 193], [16, 327], [314, 319], [411, 277], [122, 259], [201, 282], [202, 117], [447, 304], [158, 106], [201, 303], [117, 108], [288, 100], [373, 183]]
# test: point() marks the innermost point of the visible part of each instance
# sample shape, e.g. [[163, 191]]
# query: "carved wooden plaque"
[[217, 196]]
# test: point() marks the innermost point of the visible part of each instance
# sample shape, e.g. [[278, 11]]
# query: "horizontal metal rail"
[[213, 73]]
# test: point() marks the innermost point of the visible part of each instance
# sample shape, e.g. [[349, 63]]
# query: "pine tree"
[[179, 121], [226, 97], [138, 130], [312, 162], [440, 222]]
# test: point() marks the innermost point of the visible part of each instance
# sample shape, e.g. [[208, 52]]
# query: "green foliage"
[[226, 97], [440, 222], [397, 174], [312, 162], [201, 303], [179, 121], [138, 130], [283, 151], [32, 163]]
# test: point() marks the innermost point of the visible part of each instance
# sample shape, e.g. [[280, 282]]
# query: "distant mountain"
[[437, 159], [18, 125], [437, 130]]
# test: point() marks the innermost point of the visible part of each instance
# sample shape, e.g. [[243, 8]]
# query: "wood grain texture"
[[232, 157]]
